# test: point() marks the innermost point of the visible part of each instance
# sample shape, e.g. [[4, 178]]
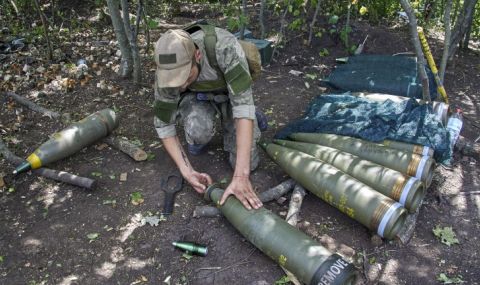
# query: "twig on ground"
[[295, 204], [126, 147], [32, 106], [241, 262]]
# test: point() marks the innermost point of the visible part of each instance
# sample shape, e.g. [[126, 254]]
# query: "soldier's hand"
[[199, 181], [241, 188]]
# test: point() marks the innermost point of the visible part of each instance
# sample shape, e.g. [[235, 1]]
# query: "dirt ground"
[[54, 233]]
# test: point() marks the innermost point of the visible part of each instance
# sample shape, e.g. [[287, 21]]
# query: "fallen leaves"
[[446, 235], [442, 277], [92, 236], [136, 198]]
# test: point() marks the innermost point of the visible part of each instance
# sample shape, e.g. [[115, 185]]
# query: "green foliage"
[[446, 235], [442, 277], [284, 280]]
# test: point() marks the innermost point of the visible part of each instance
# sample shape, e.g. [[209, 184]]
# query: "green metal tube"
[[357, 200], [310, 262], [406, 190], [407, 163], [191, 247], [72, 139]]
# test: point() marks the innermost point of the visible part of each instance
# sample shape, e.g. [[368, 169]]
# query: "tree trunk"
[[282, 27], [261, 19], [137, 71], [418, 48], [446, 44], [468, 31], [312, 25], [461, 25], [45, 29], [127, 60], [244, 14]]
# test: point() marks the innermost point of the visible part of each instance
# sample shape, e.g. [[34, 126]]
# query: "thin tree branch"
[[418, 48], [32, 106], [446, 43], [45, 29], [314, 20]]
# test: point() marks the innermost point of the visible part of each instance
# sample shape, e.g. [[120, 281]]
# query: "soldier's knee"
[[199, 130]]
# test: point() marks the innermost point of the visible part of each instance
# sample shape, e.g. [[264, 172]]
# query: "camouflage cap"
[[173, 54]]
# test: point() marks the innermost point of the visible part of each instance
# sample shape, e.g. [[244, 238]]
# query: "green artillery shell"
[[304, 257], [191, 247], [357, 200], [407, 163], [408, 147], [407, 190], [72, 139]]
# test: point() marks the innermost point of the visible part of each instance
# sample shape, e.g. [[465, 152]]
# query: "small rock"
[[2, 182], [118, 53], [7, 77], [123, 177], [305, 224], [283, 213], [376, 240], [295, 72], [26, 68], [66, 118], [102, 84], [41, 69], [281, 200]]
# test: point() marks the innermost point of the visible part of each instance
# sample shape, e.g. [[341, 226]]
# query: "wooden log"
[[60, 176], [271, 194], [295, 204], [407, 233], [127, 147], [32, 106], [292, 218], [277, 191]]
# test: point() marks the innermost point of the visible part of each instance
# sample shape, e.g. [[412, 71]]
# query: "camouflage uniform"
[[198, 116]]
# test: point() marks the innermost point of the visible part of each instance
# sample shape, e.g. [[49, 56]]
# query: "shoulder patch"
[[238, 79]]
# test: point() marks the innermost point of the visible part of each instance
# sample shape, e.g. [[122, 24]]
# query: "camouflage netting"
[[374, 121], [396, 75]]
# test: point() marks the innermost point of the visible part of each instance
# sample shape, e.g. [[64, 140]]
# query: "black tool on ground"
[[171, 185]]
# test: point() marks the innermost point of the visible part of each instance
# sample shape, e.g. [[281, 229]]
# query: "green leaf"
[[93, 236], [333, 20], [110, 202], [283, 281], [97, 174], [446, 235], [1, 259], [187, 256], [150, 156], [442, 277], [11, 190], [136, 198], [112, 176], [311, 76], [372, 260]]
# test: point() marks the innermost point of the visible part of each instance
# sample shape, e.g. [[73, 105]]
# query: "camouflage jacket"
[[230, 58]]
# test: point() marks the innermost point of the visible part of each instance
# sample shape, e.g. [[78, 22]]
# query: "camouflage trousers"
[[199, 121]]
